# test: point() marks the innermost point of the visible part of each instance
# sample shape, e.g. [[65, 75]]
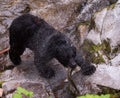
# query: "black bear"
[[29, 31]]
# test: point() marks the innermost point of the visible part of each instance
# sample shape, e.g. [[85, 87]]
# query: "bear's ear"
[[61, 42], [58, 39], [37, 20]]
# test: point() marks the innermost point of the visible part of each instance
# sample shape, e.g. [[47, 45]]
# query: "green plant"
[[95, 96], [21, 91]]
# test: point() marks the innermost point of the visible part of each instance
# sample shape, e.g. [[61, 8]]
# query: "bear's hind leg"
[[14, 54]]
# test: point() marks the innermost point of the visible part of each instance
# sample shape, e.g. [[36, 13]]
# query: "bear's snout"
[[72, 63]]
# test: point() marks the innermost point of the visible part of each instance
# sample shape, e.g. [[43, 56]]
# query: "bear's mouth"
[[72, 63]]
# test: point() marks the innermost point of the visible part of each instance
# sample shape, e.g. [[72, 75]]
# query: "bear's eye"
[[74, 50], [64, 41], [73, 55], [61, 42]]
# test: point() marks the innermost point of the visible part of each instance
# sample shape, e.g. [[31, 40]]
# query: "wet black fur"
[[28, 31]]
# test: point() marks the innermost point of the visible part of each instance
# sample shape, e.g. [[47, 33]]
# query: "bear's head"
[[65, 53]]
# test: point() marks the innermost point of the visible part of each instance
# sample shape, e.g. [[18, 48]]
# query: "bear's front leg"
[[86, 67], [42, 67], [45, 71]]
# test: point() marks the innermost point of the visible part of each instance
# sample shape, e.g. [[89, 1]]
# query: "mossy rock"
[[95, 53], [90, 23], [106, 90], [91, 52], [111, 7]]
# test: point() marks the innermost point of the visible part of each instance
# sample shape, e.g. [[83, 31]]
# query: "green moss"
[[21, 91], [92, 23], [109, 7], [95, 96], [115, 50], [106, 90], [116, 95], [97, 56], [1, 82], [112, 6], [99, 59], [95, 52], [27, 9], [84, 23], [89, 25], [92, 52], [106, 46], [96, 48]]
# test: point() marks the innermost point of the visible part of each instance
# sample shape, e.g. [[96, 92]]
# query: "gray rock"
[[107, 76], [59, 13], [83, 84], [107, 22], [2, 29], [10, 86], [36, 87], [116, 60], [27, 74], [92, 7], [9, 96], [106, 28]]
